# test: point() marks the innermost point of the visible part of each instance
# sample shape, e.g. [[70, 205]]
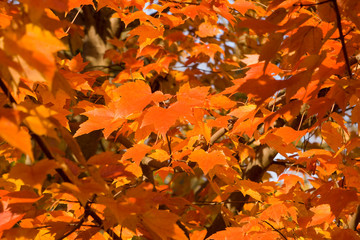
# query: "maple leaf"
[[207, 29], [309, 40], [331, 134], [260, 26], [142, 16], [8, 218], [322, 214], [242, 6], [33, 175], [98, 117], [278, 211], [344, 234], [37, 47], [244, 73], [76, 64], [132, 97], [154, 220], [14, 134], [161, 119], [147, 34], [338, 199], [136, 153], [207, 161], [62, 6]]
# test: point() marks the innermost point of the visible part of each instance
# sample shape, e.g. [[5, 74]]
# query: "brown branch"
[[342, 38], [124, 141], [219, 133]]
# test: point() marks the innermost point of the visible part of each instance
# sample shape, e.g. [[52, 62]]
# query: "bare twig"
[[67, 30], [219, 133]]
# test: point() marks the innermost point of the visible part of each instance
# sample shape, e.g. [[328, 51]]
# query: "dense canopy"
[[171, 119]]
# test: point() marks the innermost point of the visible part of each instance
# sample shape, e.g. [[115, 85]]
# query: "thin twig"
[[342, 38], [347, 33], [67, 30], [301, 120], [83, 219], [277, 230], [219, 133]]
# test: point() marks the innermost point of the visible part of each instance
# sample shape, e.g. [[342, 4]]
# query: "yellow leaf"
[[33, 175], [160, 155], [12, 133], [332, 136], [207, 29], [37, 47]]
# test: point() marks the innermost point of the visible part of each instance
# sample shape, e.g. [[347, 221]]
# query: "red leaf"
[[7, 218]]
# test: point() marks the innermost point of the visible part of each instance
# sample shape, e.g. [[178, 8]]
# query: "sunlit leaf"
[[207, 161]]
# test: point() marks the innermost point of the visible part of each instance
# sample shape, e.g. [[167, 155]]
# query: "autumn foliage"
[[171, 119]]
